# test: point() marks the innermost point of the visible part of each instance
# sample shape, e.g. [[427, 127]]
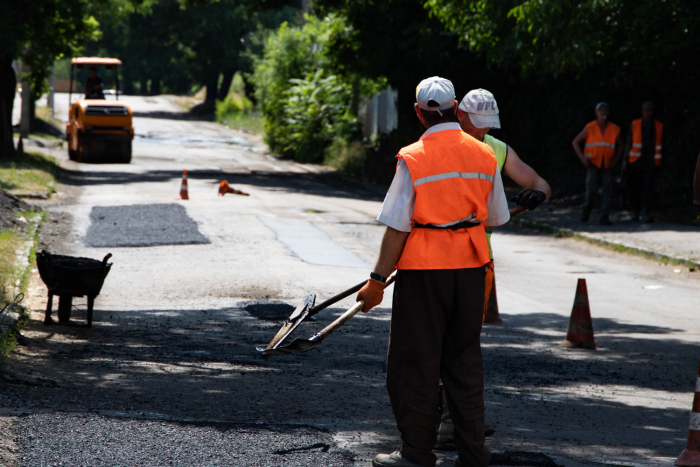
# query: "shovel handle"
[[342, 319], [517, 210], [331, 328], [336, 298]]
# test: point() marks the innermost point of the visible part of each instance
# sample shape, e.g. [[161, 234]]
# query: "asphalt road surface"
[[169, 373]]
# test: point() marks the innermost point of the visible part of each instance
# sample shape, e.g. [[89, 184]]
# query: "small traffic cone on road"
[[183, 186], [690, 457], [491, 315], [224, 188], [579, 334]]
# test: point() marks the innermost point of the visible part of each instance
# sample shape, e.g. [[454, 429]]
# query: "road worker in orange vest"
[[644, 145], [447, 189], [599, 157]]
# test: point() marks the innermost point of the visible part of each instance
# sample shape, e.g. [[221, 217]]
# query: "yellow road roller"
[[98, 130]]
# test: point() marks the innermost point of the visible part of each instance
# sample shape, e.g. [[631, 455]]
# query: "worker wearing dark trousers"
[[446, 189], [644, 160], [599, 157]]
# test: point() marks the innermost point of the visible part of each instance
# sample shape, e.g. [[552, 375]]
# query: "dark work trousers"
[[592, 188], [435, 327], [642, 186]]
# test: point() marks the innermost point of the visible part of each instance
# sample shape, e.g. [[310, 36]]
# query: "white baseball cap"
[[435, 93], [481, 107]]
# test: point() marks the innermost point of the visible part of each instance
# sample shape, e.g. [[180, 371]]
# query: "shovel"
[[306, 310]]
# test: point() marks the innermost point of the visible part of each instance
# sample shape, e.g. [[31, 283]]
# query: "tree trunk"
[[226, 84], [155, 87], [209, 105], [355, 104], [249, 90], [32, 111], [8, 84], [128, 86]]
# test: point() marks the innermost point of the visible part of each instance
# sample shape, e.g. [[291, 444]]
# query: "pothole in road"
[[269, 311], [522, 459]]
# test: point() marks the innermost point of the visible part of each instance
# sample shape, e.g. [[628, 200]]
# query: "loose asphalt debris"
[[142, 225], [9, 204]]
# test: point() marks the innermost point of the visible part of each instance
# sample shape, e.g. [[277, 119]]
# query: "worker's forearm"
[[390, 251], [543, 186]]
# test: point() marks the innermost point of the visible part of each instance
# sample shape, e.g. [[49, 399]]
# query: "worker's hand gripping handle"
[[342, 319]]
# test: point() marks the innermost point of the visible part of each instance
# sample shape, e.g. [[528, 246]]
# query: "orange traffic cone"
[[491, 306], [183, 187], [224, 188], [690, 457], [579, 334]]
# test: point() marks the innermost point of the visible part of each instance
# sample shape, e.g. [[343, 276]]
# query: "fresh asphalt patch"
[[94, 440], [142, 225]]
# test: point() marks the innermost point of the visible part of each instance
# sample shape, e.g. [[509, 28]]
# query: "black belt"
[[457, 226]]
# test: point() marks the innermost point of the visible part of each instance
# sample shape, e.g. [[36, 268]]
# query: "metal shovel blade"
[[294, 320], [296, 346]]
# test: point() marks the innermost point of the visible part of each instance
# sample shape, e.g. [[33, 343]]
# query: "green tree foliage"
[[317, 112], [558, 36], [306, 102]]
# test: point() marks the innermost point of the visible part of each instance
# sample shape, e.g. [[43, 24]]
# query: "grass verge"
[[30, 172], [17, 259], [248, 122]]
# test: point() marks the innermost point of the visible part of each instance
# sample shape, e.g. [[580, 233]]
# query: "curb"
[[556, 231]]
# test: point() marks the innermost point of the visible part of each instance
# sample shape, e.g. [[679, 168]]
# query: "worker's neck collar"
[[441, 127]]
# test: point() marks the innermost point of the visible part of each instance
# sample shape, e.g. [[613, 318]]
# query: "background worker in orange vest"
[[644, 144], [446, 190], [599, 157]]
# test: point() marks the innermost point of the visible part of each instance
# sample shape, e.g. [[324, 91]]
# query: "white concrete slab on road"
[[311, 244]]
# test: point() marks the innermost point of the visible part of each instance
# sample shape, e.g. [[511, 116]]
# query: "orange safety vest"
[[636, 148], [452, 177], [600, 147]]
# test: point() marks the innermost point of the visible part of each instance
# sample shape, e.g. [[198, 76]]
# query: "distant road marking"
[[311, 244]]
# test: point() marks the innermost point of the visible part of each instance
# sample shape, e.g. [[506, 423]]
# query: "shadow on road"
[[202, 365]]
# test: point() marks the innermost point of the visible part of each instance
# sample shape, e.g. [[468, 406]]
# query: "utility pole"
[[26, 113], [52, 85]]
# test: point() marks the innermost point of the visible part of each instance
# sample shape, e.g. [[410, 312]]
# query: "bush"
[[317, 112], [305, 101], [233, 104]]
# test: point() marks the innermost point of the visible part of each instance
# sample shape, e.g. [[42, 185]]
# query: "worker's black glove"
[[529, 198]]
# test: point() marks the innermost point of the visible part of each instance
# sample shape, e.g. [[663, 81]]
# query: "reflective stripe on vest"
[[600, 147], [452, 176], [636, 148], [448, 175]]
